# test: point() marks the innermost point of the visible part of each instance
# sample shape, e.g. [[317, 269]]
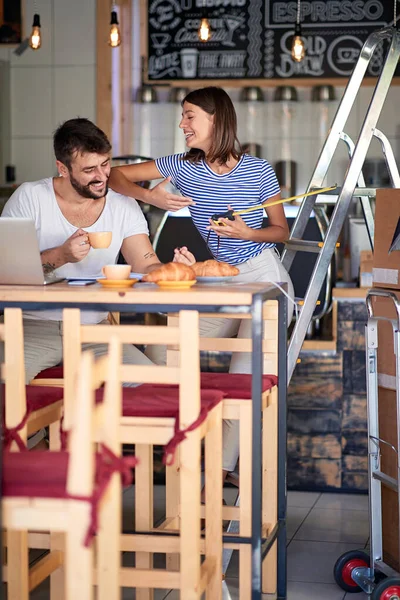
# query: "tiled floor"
[[321, 527]]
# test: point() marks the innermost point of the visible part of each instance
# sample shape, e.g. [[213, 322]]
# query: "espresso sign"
[[251, 39]]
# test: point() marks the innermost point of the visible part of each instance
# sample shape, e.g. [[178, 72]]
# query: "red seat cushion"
[[44, 475], [39, 396], [235, 385], [163, 401], [56, 372]]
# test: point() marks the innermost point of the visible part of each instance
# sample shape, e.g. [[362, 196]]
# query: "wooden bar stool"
[[158, 414], [27, 409], [237, 405], [64, 491]]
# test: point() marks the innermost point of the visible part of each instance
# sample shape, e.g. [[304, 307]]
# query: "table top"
[[139, 296]]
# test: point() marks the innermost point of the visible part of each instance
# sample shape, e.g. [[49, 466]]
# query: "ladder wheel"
[[344, 567], [388, 589]]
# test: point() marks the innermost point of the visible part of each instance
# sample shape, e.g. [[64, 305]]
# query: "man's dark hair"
[[78, 136]]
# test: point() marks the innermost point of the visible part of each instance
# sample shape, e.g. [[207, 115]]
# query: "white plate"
[[214, 279]]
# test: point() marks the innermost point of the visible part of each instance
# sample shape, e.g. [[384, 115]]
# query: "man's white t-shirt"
[[121, 215]]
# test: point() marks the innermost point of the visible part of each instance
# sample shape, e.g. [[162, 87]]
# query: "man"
[[64, 210]]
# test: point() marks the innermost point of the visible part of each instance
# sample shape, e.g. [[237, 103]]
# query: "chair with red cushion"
[[237, 405], [168, 411], [76, 492]]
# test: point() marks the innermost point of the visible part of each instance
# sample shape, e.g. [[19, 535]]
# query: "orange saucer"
[[176, 285], [114, 283]]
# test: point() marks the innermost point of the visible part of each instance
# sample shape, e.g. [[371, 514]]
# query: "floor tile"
[[295, 517], [343, 501], [360, 596], [313, 562], [302, 499], [351, 526], [295, 591]]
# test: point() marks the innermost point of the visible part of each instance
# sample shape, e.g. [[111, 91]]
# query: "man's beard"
[[85, 191]]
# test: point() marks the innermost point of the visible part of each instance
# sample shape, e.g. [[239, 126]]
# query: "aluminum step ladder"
[[353, 184]]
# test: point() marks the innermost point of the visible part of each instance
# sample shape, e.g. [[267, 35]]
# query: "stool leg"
[[18, 566], [57, 540], [270, 487], [144, 509], [245, 486], [108, 543], [78, 559], [213, 481], [172, 503], [190, 517]]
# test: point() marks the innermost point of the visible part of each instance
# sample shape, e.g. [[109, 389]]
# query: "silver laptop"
[[20, 261]]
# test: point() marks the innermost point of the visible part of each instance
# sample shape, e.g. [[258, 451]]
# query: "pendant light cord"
[[298, 12]]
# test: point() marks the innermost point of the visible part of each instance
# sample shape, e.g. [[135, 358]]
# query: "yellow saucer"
[[176, 285], [117, 282]]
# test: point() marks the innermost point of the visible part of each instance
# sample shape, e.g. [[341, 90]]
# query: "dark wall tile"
[[313, 473], [314, 446], [315, 392], [305, 421], [345, 311], [351, 335], [355, 412], [355, 443], [316, 364], [355, 464], [355, 481]]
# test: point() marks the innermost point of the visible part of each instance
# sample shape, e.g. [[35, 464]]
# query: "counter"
[[327, 418]]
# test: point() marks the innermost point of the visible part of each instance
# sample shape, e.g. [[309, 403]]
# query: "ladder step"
[[305, 245], [359, 191]]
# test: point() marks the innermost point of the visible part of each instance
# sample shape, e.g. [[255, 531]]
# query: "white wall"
[[52, 84], [293, 131]]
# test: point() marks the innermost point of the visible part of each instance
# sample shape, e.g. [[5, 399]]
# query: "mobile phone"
[[81, 281]]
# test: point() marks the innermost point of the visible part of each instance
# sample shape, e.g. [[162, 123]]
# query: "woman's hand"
[[236, 229], [183, 255], [159, 196]]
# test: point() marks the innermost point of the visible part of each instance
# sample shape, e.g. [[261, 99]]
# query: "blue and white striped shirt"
[[250, 183]]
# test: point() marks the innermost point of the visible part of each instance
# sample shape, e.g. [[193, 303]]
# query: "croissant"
[[172, 271], [214, 268]]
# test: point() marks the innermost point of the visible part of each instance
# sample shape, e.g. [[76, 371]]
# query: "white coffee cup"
[[117, 272]]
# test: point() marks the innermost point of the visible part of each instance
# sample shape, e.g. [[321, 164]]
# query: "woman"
[[214, 176]]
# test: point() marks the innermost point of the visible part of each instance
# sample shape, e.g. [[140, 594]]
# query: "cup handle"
[[102, 270]]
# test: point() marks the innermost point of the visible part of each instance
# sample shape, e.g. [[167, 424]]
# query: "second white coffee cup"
[[117, 272]]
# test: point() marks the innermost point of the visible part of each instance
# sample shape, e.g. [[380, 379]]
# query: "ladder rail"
[[342, 205], [332, 139], [365, 199], [389, 158]]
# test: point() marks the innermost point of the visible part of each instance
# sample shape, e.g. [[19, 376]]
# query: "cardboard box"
[[386, 262], [366, 259], [390, 499], [384, 307]]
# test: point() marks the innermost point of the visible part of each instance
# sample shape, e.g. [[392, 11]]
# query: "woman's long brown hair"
[[215, 101]]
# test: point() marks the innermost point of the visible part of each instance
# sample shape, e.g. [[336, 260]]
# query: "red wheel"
[[388, 589], [344, 568]]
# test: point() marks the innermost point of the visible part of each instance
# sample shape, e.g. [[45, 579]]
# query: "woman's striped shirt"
[[250, 183]]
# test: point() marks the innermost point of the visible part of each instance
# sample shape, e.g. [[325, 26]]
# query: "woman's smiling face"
[[198, 127]]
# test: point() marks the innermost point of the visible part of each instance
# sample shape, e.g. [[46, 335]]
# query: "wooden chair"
[[155, 414], [237, 405], [54, 376], [62, 492]]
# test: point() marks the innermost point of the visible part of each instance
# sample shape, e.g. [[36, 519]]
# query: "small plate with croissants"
[[172, 276], [214, 271]]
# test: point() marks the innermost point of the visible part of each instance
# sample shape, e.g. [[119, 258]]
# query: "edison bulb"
[[35, 39], [115, 36], [205, 30], [298, 49]]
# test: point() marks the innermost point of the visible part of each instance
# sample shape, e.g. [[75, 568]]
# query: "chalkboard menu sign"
[[251, 39]]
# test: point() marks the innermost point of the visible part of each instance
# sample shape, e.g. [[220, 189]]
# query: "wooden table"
[[225, 298]]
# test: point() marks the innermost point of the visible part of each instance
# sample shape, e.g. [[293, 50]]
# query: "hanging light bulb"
[[115, 35], [204, 30], [298, 47], [35, 39]]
